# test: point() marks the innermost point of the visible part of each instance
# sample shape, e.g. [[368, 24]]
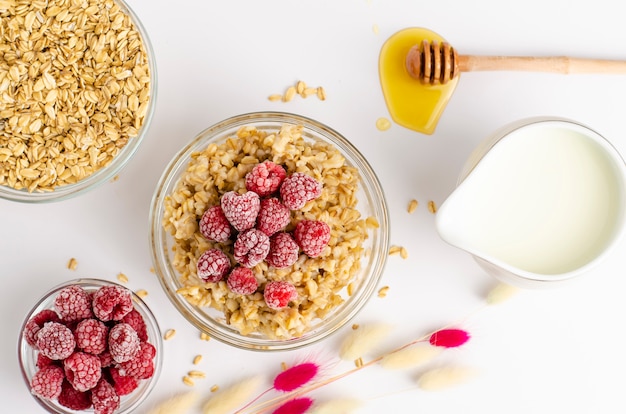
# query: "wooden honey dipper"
[[437, 63]]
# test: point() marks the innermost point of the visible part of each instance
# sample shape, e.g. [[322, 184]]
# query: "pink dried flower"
[[296, 406], [296, 376], [449, 338]]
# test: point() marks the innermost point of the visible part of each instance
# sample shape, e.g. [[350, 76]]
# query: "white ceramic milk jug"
[[539, 202]]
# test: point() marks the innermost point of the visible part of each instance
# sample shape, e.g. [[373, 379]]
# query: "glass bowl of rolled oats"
[[90, 345], [77, 94], [269, 231]]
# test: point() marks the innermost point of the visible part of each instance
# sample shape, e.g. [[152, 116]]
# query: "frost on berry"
[[135, 320], [278, 294], [273, 216], [123, 342], [55, 341], [142, 365], [284, 251], [241, 209], [251, 247], [265, 178], [298, 189], [123, 385], [214, 225], [112, 303], [312, 236], [73, 303], [35, 323], [104, 398], [73, 399], [242, 281], [82, 370], [46, 383], [213, 265], [91, 336]]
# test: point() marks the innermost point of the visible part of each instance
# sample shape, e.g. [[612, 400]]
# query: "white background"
[[549, 351]]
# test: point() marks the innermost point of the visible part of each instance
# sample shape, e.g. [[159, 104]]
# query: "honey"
[[411, 104]]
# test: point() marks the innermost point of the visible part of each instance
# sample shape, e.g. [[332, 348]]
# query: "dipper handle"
[[437, 63]]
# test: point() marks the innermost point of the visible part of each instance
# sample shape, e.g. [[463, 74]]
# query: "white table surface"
[[549, 351]]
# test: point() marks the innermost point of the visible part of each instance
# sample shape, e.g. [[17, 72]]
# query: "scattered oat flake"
[[432, 207], [275, 97], [404, 253], [394, 250], [412, 206], [321, 93], [169, 334], [358, 362], [115, 178], [300, 87], [122, 277], [152, 270], [197, 359], [72, 264], [196, 374], [188, 381], [215, 388], [382, 292], [383, 124], [142, 293], [355, 326], [283, 366], [289, 94], [204, 336]]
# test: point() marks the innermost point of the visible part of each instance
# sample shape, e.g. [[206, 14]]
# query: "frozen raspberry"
[[273, 216], [46, 383], [55, 340], [73, 304], [142, 365], [91, 336], [241, 210], [106, 359], [82, 370], [104, 398], [73, 399], [298, 189], [251, 247], [265, 178], [213, 265], [112, 303], [44, 361], [122, 384], [242, 281], [35, 323], [123, 342], [214, 225], [312, 236], [284, 251], [135, 320], [278, 294]]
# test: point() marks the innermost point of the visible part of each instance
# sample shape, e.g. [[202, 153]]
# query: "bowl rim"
[[154, 332], [157, 234], [118, 162]]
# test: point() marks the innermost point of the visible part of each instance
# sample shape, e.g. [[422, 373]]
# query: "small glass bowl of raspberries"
[[90, 345], [269, 231]]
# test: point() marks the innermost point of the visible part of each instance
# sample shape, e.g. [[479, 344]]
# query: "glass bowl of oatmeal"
[[43, 360], [73, 110], [327, 289]]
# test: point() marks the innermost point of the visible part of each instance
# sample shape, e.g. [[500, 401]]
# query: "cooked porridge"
[[321, 282]]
